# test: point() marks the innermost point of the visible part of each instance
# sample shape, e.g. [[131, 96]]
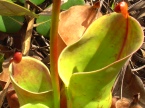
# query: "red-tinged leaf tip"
[[122, 7], [17, 57]]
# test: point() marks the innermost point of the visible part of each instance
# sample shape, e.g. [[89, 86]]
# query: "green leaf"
[[37, 2], [32, 82], [89, 67], [8, 8], [11, 24], [37, 105], [1, 61], [43, 25], [71, 3], [10, 0]]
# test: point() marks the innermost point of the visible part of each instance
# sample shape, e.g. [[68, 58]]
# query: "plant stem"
[[54, 52]]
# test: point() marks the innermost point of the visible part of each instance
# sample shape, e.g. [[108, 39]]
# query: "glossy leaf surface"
[[32, 83], [11, 24], [71, 3], [89, 67], [37, 2], [8, 8], [43, 24]]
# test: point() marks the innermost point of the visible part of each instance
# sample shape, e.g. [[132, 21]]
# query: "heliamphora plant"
[[88, 66]]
